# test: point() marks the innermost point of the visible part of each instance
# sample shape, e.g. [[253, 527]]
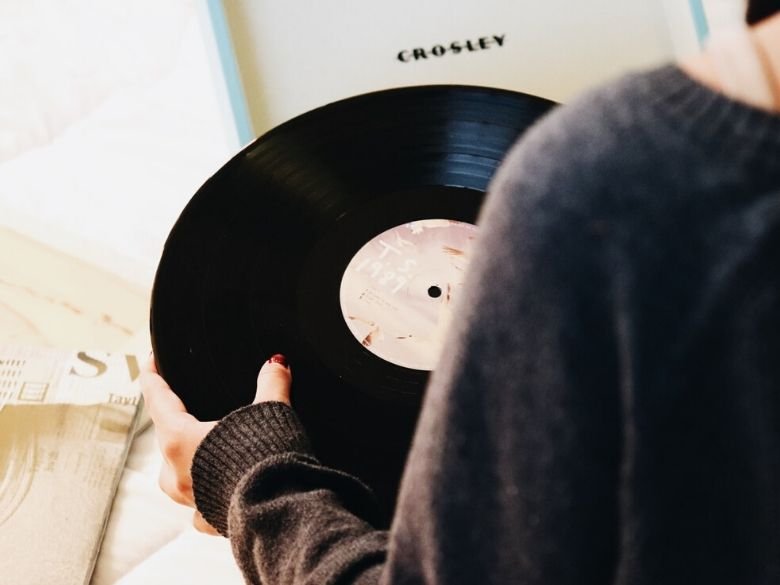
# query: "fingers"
[[176, 488], [150, 365], [160, 400], [201, 525], [179, 442], [273, 381], [178, 434]]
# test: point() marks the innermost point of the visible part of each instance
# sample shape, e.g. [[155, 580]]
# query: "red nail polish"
[[278, 359]]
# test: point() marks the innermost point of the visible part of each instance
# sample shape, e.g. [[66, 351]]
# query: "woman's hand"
[[179, 433]]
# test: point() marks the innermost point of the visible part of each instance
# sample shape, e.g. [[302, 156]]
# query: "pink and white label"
[[398, 291]]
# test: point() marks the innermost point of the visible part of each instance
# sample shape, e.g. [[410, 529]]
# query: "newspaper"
[[66, 422]]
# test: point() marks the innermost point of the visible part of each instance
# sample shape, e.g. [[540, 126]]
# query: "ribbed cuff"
[[234, 446]]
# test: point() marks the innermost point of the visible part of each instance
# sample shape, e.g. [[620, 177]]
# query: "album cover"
[[278, 60], [66, 423]]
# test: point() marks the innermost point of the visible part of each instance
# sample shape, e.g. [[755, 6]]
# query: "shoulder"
[[598, 155], [612, 125], [589, 180]]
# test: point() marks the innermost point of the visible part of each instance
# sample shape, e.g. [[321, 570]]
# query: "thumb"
[[273, 381]]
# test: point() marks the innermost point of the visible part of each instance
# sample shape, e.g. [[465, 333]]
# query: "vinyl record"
[[338, 239]]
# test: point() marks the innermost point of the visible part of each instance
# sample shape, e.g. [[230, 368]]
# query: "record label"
[[398, 291]]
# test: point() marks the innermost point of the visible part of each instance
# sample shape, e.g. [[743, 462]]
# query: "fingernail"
[[278, 359]]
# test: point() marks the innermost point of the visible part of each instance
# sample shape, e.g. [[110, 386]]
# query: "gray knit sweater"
[[608, 411]]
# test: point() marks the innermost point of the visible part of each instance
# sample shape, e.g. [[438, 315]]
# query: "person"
[[608, 409]]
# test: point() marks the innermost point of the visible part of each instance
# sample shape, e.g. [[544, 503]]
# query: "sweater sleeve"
[[289, 519]]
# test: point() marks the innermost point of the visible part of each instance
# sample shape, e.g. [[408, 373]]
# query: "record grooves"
[[255, 262]]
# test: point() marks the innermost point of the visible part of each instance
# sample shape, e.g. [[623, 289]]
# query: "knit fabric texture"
[[245, 436], [607, 407]]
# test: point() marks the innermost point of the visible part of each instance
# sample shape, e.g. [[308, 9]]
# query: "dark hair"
[[760, 9]]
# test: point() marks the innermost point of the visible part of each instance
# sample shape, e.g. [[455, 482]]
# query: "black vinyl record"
[[255, 262]]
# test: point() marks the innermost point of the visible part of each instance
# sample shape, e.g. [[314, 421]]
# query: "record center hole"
[[434, 292]]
